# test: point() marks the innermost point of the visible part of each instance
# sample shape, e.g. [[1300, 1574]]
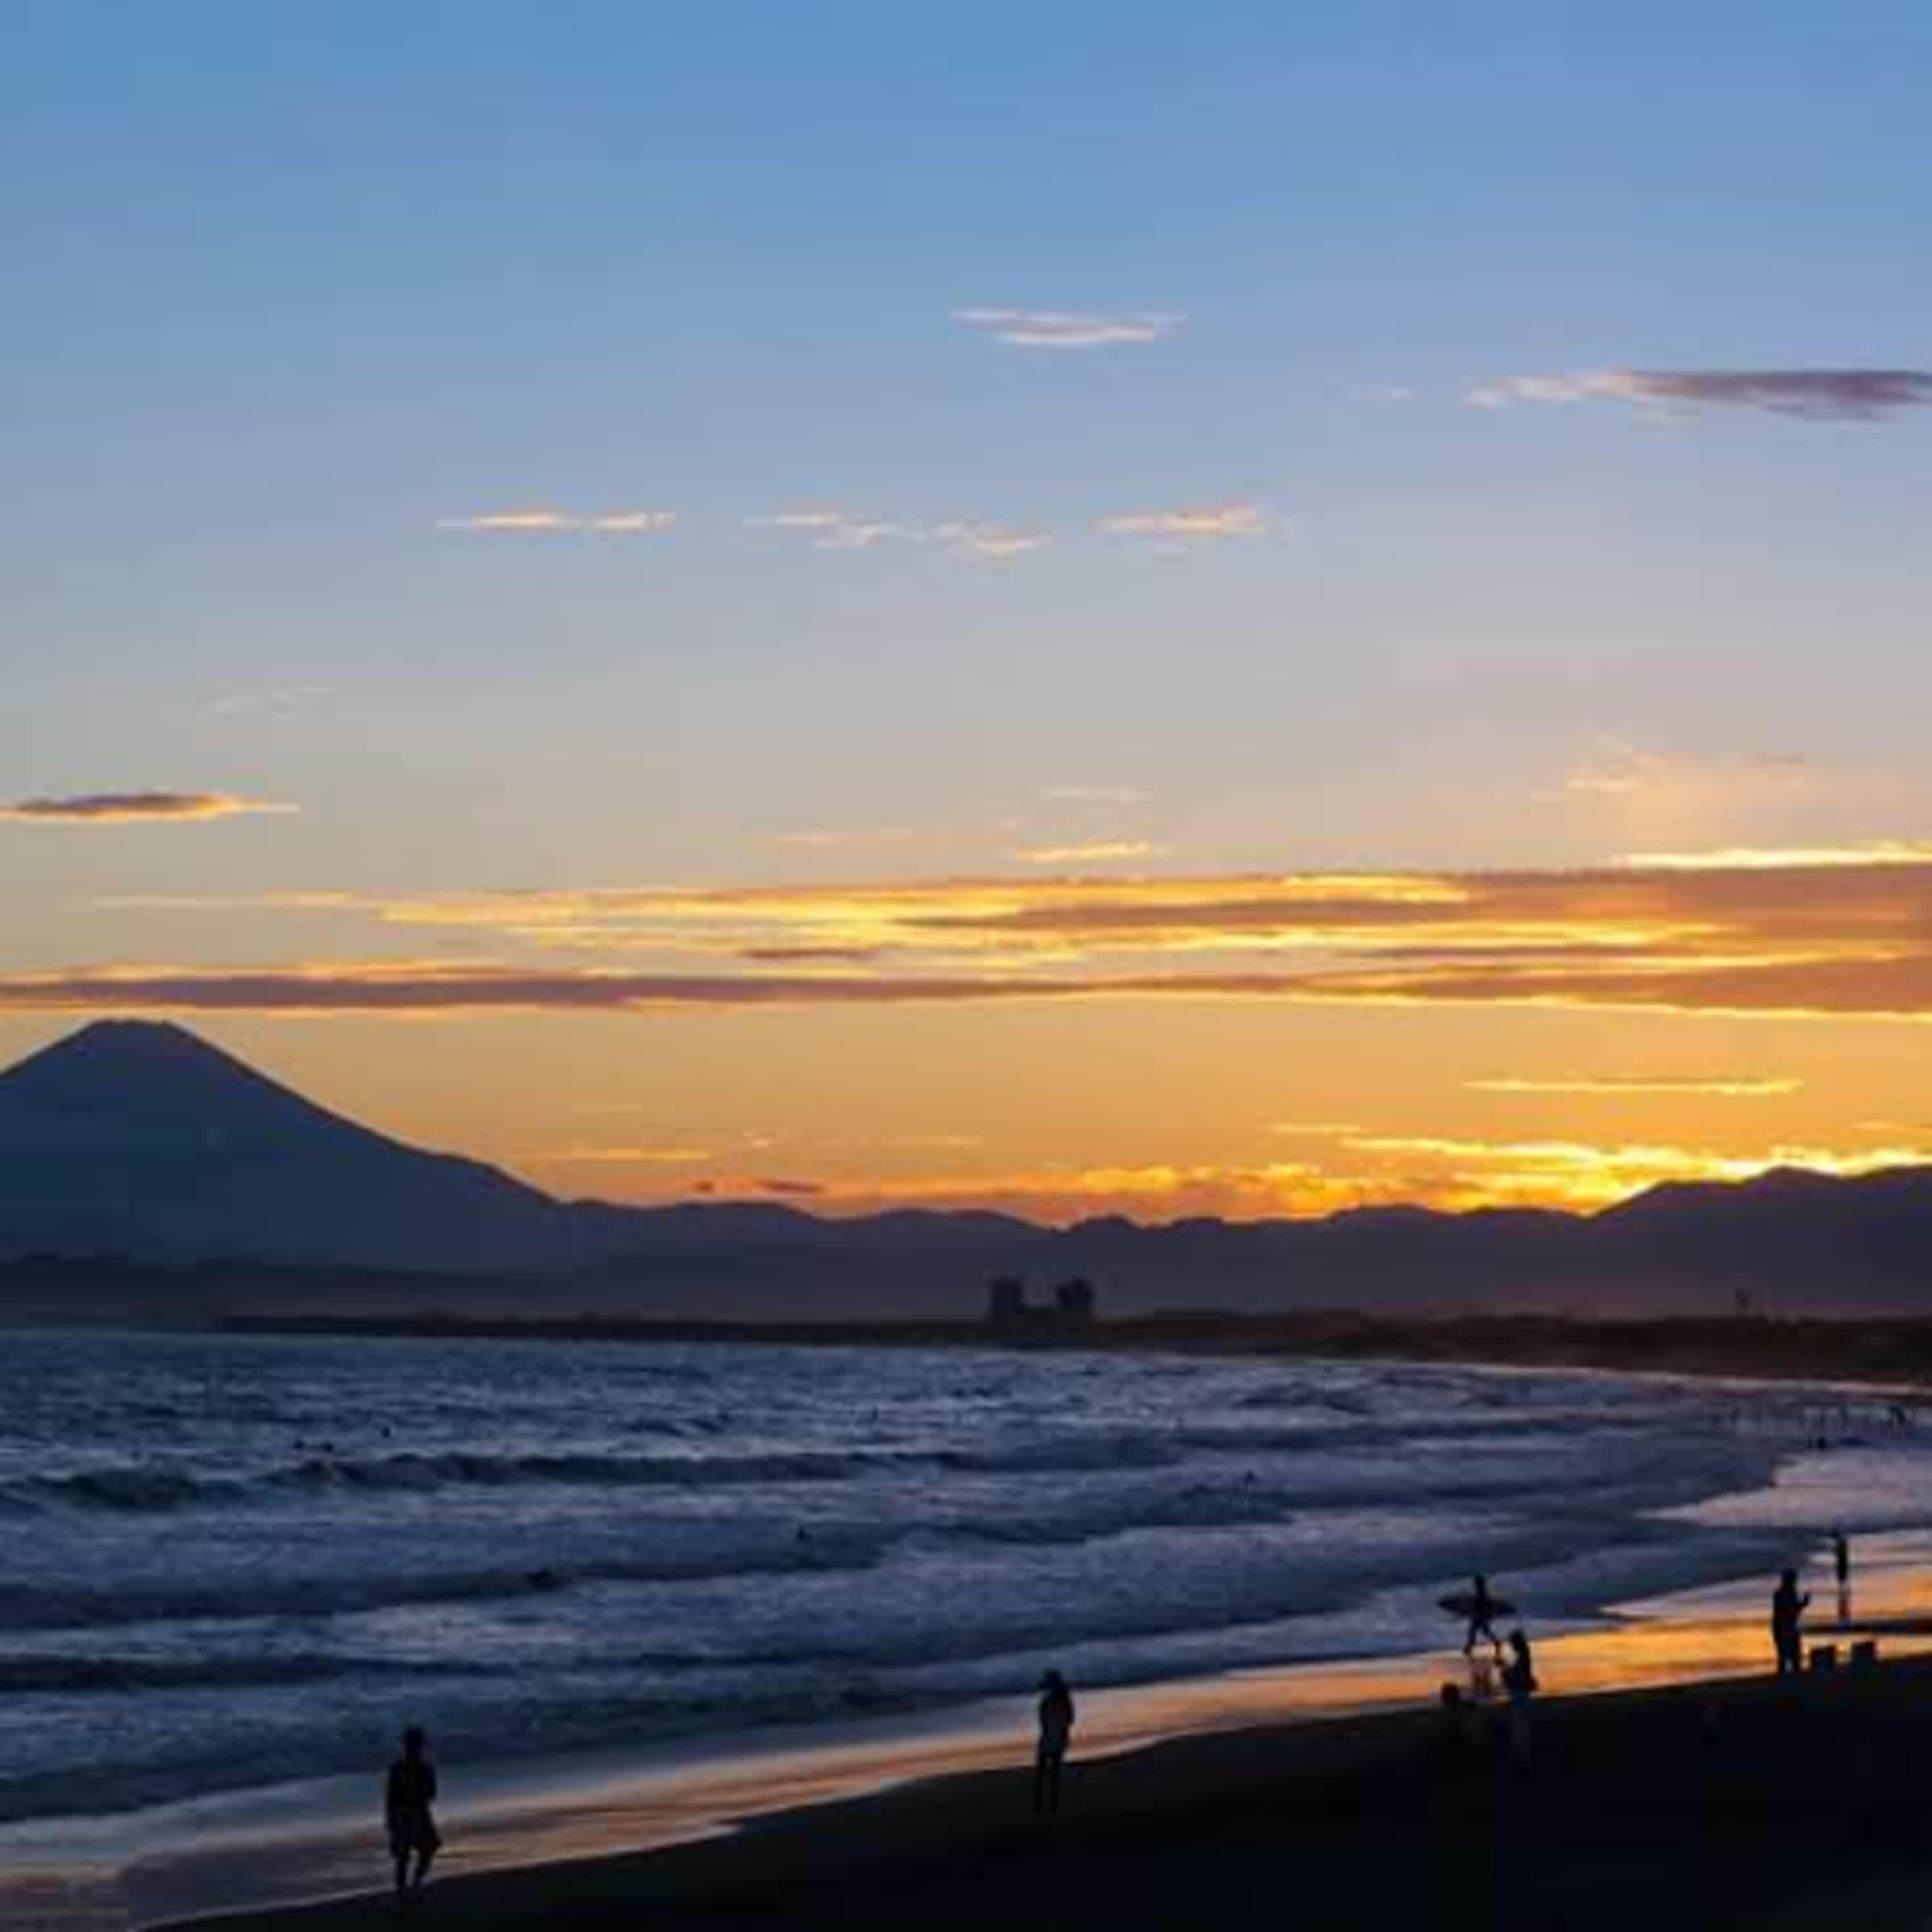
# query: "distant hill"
[[141, 1142]]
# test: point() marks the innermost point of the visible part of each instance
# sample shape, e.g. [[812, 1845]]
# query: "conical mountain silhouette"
[[138, 1138], [141, 1141]]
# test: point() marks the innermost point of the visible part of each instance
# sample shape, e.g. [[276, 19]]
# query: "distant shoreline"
[[1896, 1354]]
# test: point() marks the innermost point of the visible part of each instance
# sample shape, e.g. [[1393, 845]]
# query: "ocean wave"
[[145, 1486], [125, 1486], [54, 1675], [28, 1607], [131, 1487]]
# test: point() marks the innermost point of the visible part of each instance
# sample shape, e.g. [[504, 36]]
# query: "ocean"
[[238, 1561]]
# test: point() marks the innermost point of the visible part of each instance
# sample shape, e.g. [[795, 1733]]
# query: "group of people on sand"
[[1789, 1604], [409, 1797]]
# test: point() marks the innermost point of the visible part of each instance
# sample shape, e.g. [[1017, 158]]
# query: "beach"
[[649, 1598], [1246, 1788], [1710, 1803]]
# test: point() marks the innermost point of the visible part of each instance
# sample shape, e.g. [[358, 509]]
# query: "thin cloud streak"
[[627, 1156], [125, 808], [1740, 1087], [1096, 794], [542, 522], [975, 538], [1099, 852], [1817, 395], [1065, 329], [1200, 523]]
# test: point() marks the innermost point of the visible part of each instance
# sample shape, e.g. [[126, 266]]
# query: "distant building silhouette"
[[1005, 1301], [1009, 1312], [1073, 1301]]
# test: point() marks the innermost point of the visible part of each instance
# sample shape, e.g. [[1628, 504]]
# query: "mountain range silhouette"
[[139, 1142]]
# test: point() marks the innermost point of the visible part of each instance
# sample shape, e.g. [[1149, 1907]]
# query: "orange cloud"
[[1100, 852], [121, 808], [1799, 938]]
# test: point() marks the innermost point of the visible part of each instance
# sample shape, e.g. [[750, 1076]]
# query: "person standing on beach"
[[1056, 1730], [1787, 1607], [1841, 1565], [406, 1806]]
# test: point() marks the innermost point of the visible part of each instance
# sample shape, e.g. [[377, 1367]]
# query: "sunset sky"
[[1130, 607]]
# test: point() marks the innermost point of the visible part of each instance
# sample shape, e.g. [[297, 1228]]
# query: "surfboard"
[[1462, 1604]]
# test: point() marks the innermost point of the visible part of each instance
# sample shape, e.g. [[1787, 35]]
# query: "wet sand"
[[1710, 1804]]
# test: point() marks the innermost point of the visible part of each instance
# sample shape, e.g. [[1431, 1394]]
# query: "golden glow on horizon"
[[1087, 1044], [1365, 1170]]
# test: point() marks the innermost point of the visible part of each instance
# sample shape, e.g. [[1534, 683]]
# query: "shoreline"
[[206, 1863], [259, 1851], [959, 1849]]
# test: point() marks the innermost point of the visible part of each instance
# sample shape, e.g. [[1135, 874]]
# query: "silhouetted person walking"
[[1787, 1607], [1482, 1615], [1056, 1730], [1841, 1561], [411, 1792]]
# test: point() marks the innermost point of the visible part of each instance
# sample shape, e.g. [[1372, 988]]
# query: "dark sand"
[[1745, 1802]]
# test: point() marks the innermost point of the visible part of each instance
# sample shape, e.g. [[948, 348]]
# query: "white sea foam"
[[234, 1561]]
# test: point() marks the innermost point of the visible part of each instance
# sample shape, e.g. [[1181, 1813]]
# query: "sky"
[[1085, 608]]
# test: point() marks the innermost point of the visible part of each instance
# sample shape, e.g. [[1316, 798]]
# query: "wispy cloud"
[[1855, 394], [1200, 523], [1612, 768], [972, 537], [811, 517], [1096, 794], [122, 808], [631, 522], [840, 838], [1098, 852], [1066, 328], [1655, 798], [539, 522], [276, 702], [627, 1156], [833, 529], [1727, 1086]]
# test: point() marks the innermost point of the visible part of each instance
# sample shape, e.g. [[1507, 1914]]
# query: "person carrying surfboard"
[[1483, 1609]]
